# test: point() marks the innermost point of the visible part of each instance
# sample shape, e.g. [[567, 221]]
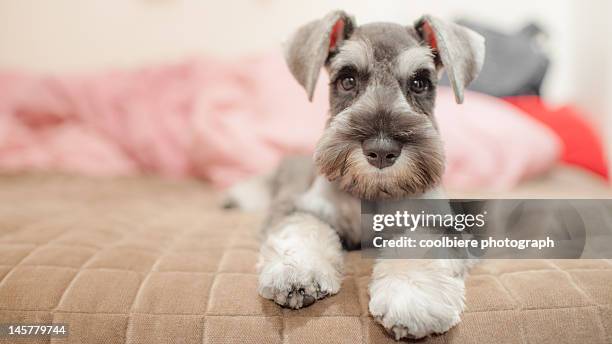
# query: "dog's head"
[[381, 140]]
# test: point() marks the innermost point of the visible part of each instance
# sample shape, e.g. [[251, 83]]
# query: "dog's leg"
[[415, 298], [300, 261], [292, 177], [253, 194]]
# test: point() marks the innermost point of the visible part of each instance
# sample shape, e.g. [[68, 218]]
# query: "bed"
[[146, 260]]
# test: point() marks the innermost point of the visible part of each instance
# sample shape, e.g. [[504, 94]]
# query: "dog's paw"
[[417, 304], [296, 295], [300, 263], [297, 286], [250, 195]]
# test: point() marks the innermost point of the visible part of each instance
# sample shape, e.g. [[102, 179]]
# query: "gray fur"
[[413, 59], [382, 106], [384, 59], [461, 51], [382, 89], [292, 178], [308, 48]]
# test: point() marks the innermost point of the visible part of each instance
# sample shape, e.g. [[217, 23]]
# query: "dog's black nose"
[[381, 152]]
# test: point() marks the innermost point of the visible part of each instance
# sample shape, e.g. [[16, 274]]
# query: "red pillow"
[[582, 146]]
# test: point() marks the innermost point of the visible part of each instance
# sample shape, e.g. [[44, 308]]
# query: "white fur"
[[413, 299], [357, 53], [413, 59], [367, 101], [317, 200], [333, 206], [302, 253], [250, 195]]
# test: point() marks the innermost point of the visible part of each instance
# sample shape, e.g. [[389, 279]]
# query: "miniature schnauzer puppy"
[[381, 142]]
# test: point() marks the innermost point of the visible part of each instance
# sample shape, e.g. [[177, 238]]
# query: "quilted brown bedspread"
[[150, 261]]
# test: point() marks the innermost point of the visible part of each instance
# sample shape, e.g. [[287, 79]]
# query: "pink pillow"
[[491, 144]]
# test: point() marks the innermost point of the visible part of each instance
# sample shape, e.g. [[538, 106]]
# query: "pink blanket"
[[225, 120]]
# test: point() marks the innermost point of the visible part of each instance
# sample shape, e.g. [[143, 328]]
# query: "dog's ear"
[[308, 48], [460, 50]]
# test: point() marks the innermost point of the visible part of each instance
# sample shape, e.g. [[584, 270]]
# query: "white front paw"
[[418, 303], [297, 286], [300, 263]]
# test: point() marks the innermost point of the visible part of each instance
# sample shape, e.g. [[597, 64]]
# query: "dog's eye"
[[348, 83], [419, 84]]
